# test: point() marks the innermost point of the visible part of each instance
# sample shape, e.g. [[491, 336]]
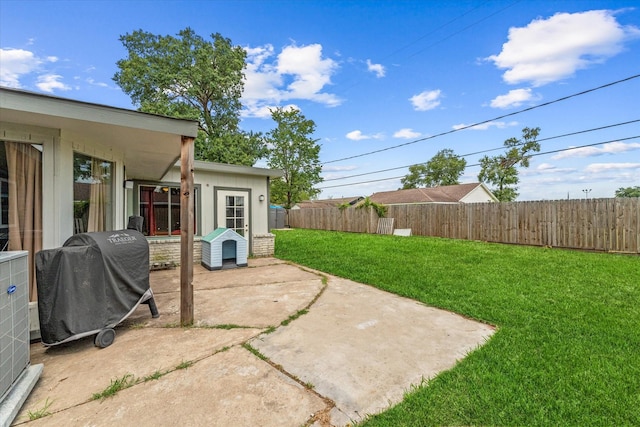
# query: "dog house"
[[224, 248]]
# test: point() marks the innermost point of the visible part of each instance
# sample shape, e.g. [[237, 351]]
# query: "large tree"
[[445, 168], [628, 191], [190, 77], [297, 154], [501, 171]]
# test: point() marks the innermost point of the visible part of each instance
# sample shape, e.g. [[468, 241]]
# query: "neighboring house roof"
[[150, 144], [327, 203], [462, 193]]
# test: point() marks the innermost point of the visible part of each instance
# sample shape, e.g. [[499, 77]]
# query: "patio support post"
[[186, 231]]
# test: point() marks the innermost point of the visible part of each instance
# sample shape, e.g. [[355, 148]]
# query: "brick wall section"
[[263, 244], [168, 250]]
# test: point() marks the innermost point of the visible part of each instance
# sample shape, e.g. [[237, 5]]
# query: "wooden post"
[[186, 231]]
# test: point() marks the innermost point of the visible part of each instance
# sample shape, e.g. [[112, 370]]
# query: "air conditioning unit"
[[17, 378]]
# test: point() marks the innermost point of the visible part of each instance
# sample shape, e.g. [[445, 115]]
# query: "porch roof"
[[150, 144]]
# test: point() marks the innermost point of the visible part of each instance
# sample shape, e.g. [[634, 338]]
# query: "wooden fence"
[[611, 225]]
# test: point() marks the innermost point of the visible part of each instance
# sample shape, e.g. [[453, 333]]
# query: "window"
[[160, 208], [92, 194], [234, 209]]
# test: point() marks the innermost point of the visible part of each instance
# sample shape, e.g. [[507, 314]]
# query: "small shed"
[[224, 248]]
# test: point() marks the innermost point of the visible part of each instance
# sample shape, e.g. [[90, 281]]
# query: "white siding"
[[478, 195], [58, 147], [209, 180]]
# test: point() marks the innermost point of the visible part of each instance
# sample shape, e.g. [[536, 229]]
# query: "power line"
[[489, 150], [436, 30], [464, 29], [415, 41], [564, 98], [478, 164]]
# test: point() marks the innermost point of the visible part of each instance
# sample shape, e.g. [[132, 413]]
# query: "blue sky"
[[376, 75]]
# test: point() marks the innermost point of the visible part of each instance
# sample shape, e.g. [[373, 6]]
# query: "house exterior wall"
[[165, 252], [58, 147], [261, 242], [209, 181]]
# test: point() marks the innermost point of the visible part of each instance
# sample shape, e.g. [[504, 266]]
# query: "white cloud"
[[546, 169], [609, 148], [50, 82], [552, 49], [15, 63], [514, 98], [310, 72], [607, 167], [264, 111], [378, 69], [357, 135], [296, 73], [96, 83], [427, 100], [485, 126], [407, 133]]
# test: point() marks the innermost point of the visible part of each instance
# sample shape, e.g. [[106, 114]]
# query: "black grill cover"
[[95, 281]]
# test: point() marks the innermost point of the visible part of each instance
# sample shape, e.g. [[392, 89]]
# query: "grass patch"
[[294, 317], [566, 352], [139, 325], [172, 325], [40, 413], [155, 376], [116, 385], [229, 326], [255, 351], [184, 364], [225, 326]]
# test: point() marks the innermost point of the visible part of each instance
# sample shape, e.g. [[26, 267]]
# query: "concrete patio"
[[347, 351]]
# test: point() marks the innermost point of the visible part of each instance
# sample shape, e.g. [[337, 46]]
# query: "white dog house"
[[224, 248]]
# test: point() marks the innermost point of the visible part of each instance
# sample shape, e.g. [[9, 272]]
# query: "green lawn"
[[567, 349]]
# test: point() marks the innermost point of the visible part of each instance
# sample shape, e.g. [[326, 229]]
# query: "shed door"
[[233, 211]]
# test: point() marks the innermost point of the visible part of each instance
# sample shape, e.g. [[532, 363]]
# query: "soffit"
[[149, 144]]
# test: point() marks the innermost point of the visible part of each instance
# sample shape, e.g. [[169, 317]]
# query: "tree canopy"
[[501, 170], [293, 151], [628, 191], [192, 78], [445, 168]]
